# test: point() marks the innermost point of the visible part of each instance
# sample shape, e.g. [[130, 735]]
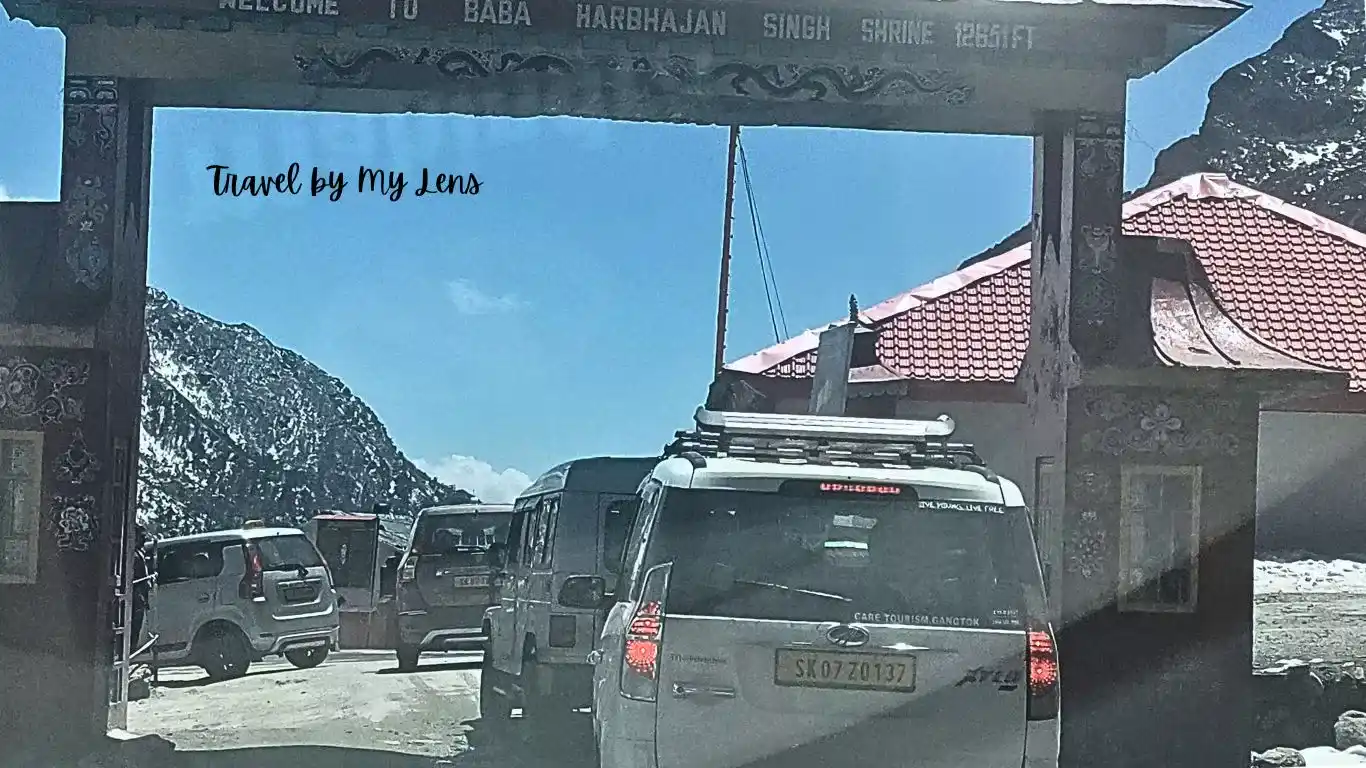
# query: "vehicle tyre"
[[223, 653], [495, 706], [407, 657], [306, 658]]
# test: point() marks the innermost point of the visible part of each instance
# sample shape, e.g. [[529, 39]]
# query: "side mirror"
[[583, 592]]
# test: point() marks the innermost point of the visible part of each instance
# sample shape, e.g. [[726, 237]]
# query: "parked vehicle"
[[873, 599], [226, 599], [349, 543], [445, 579], [564, 546]]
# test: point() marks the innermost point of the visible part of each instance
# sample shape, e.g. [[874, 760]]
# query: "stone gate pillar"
[[1146, 485], [71, 341]]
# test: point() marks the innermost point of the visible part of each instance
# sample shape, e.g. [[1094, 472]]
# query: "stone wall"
[[1297, 704]]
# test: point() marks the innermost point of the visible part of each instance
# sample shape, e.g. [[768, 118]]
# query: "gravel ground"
[[1329, 626], [355, 711], [358, 711]]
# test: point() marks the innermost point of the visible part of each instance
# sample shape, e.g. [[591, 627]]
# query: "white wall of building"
[[1311, 482]]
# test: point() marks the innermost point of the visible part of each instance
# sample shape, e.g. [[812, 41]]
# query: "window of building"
[[21, 462], [1159, 541]]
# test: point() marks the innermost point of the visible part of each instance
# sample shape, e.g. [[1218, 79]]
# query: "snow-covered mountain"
[[1292, 121], [235, 428]]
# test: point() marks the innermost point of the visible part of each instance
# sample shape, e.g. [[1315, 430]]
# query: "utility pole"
[[723, 294]]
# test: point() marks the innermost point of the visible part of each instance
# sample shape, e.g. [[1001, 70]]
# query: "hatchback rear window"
[[893, 560], [283, 552]]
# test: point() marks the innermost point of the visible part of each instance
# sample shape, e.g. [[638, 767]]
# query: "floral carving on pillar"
[[1166, 424], [41, 391], [77, 465], [1096, 207], [1090, 548], [74, 522], [89, 163]]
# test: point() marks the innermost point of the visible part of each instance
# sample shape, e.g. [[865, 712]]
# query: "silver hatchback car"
[[811, 591], [225, 599]]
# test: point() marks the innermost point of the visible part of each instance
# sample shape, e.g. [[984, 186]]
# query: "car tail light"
[[1042, 663], [644, 636], [409, 571], [254, 581]]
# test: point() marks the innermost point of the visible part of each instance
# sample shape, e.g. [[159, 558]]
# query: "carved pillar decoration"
[[101, 270], [54, 517], [1095, 228]]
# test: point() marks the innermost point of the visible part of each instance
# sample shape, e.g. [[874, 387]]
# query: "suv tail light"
[[254, 581], [409, 571], [1042, 663], [644, 636]]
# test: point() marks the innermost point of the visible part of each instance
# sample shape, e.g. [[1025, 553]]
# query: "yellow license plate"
[[834, 669]]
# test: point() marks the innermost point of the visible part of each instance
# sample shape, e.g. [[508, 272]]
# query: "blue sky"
[[569, 308]]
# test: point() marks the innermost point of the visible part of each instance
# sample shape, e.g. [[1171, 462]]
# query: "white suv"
[[813, 591]]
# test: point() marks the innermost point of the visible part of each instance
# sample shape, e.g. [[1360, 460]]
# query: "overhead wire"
[[776, 315]]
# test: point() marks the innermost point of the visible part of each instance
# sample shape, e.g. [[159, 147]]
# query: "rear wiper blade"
[[798, 590], [296, 567]]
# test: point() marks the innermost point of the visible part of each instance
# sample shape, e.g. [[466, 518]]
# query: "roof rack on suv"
[[836, 440]]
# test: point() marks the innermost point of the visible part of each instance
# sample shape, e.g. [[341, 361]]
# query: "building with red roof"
[[1282, 283]]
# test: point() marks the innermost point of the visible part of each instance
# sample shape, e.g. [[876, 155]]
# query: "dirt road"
[[355, 711], [1307, 626]]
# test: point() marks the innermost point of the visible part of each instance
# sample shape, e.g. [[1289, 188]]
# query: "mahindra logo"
[[847, 635]]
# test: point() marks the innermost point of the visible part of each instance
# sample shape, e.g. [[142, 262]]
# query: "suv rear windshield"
[[465, 538], [290, 551], [838, 558]]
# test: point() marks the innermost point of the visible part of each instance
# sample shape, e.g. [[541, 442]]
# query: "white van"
[[814, 591], [563, 552]]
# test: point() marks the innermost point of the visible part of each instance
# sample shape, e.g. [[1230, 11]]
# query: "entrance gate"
[[72, 297]]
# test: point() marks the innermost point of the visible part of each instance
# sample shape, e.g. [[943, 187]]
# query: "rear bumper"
[[318, 638], [448, 628]]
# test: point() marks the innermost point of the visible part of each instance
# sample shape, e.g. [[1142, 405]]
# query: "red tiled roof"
[[1294, 280]]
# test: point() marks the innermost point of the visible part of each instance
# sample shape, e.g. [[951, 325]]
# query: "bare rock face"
[[235, 428], [1280, 757], [1350, 730], [1292, 121]]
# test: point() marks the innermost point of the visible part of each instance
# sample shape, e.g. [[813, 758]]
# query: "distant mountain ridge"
[[1290, 122], [235, 428]]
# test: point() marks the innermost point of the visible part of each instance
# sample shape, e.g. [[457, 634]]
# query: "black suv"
[[444, 580]]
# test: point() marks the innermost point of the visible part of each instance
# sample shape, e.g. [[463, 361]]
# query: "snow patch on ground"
[[1309, 576], [1314, 757]]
